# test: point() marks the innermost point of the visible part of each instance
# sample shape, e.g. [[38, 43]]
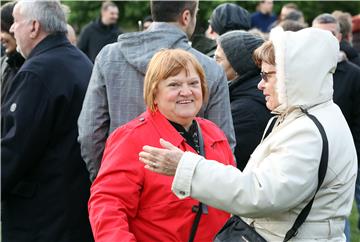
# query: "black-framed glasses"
[[264, 75]]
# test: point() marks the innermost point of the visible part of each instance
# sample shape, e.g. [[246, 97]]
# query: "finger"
[[149, 163], [153, 150], [145, 161], [168, 145], [145, 155], [150, 168]]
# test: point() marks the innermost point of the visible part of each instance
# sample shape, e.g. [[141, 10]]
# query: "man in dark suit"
[[45, 185]]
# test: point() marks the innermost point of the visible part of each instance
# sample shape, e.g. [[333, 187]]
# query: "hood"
[[139, 47], [305, 63]]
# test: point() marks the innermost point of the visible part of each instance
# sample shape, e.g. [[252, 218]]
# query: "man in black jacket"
[[44, 181], [104, 30]]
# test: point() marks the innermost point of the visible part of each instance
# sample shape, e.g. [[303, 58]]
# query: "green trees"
[[131, 11]]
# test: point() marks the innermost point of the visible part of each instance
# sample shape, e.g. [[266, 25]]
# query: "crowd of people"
[[160, 135]]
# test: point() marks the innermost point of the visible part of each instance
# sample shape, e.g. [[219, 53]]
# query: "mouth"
[[184, 101]]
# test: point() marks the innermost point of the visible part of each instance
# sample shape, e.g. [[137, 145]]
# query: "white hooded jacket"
[[282, 173]]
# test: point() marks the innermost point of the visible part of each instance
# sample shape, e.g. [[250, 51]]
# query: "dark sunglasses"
[[264, 75]]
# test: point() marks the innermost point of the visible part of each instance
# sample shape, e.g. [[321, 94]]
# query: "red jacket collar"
[[164, 127]]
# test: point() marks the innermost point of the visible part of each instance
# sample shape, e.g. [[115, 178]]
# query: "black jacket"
[[250, 115], [352, 55], [45, 184], [347, 97], [10, 65], [95, 35]]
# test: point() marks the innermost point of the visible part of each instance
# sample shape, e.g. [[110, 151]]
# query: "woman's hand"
[[163, 161]]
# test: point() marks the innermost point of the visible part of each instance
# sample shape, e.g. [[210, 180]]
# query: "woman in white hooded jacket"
[[282, 174]]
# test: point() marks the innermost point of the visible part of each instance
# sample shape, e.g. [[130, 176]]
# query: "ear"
[[35, 29], [185, 18]]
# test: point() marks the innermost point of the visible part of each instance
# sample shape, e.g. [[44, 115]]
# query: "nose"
[[260, 85], [185, 90]]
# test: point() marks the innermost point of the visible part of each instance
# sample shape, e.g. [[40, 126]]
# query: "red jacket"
[[130, 203]]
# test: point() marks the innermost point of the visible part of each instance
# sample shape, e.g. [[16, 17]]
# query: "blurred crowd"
[[77, 111]]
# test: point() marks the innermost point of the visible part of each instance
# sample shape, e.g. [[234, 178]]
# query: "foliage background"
[[131, 12]]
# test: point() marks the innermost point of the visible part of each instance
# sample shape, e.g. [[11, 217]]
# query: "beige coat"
[[282, 173]]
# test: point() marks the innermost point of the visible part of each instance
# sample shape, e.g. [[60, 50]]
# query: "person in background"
[[290, 12], [234, 53], [12, 60], [44, 181], [224, 18], [286, 10], [112, 100], [147, 21], [263, 17], [346, 91], [71, 34], [282, 173], [345, 23], [104, 30], [356, 34], [227, 17], [129, 203], [291, 25]]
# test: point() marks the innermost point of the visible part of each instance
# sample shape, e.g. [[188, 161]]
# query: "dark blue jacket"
[[262, 21], [45, 185]]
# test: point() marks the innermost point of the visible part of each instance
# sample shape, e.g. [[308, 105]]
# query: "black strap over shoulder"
[[321, 175], [201, 205]]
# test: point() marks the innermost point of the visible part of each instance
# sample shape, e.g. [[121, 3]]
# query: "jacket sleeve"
[[94, 121], [218, 108], [26, 116], [284, 179], [116, 191]]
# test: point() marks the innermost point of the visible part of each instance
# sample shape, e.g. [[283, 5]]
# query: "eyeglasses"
[[264, 75]]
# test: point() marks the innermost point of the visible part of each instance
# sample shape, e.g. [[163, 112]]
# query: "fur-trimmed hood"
[[305, 63]]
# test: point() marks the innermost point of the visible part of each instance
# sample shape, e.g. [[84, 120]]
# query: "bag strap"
[[321, 175], [200, 207], [271, 126]]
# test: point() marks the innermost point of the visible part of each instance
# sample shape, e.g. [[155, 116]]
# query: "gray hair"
[[326, 18], [49, 13]]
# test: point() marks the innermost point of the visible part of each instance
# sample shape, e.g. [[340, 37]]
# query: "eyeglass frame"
[[264, 75]]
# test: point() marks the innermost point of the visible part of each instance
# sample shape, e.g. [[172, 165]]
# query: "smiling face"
[[179, 98], [268, 86]]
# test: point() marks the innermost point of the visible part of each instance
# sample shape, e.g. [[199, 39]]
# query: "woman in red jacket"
[[130, 203]]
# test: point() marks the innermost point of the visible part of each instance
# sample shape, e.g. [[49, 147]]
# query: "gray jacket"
[[115, 92]]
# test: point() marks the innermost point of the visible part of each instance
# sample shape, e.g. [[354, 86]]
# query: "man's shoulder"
[[348, 67], [209, 64]]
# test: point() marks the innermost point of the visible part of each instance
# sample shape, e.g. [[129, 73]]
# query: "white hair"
[[49, 13]]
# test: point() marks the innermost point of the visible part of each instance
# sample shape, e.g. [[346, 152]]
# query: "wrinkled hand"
[[163, 161]]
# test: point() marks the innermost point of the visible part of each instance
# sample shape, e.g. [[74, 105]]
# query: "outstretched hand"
[[163, 161]]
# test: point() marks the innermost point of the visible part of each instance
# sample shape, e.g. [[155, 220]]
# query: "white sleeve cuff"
[[181, 185]]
